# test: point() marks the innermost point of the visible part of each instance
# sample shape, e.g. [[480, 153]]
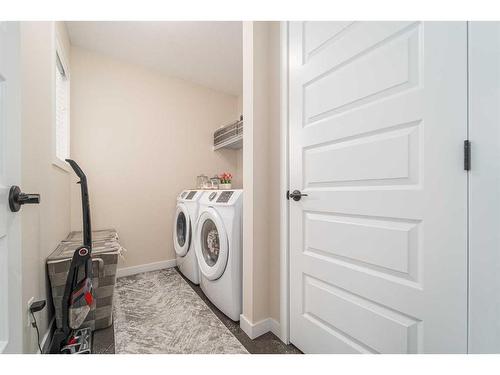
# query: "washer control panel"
[[221, 197], [225, 196], [190, 195]]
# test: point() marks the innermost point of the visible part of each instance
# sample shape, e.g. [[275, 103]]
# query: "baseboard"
[[47, 337], [254, 330], [275, 328], [134, 270]]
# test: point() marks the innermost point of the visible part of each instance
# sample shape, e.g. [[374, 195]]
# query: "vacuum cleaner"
[[78, 293]]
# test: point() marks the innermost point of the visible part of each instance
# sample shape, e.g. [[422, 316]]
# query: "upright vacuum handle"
[[87, 231], [76, 168]]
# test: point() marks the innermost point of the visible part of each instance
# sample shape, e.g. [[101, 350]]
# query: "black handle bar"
[[87, 231]]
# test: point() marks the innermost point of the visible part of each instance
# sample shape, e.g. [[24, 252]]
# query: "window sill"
[[61, 165]]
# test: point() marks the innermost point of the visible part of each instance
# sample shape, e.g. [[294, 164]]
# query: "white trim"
[[58, 50], [284, 264], [275, 327], [248, 180], [254, 330], [56, 162], [134, 270], [483, 178], [48, 334]]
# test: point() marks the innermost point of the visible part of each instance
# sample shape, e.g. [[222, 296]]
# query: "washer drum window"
[[181, 229], [210, 243]]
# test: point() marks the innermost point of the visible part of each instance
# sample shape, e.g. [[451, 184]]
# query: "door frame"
[[284, 186], [483, 180]]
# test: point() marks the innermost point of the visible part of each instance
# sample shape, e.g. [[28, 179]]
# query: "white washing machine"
[[186, 214], [218, 245]]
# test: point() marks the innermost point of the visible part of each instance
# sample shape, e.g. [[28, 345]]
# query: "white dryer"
[[186, 214], [218, 245]]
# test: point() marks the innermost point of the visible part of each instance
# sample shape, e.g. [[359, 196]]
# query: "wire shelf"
[[229, 136]]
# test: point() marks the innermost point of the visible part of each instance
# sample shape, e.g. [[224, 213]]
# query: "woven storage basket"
[[105, 252]]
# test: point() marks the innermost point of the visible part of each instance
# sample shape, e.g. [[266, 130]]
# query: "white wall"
[[141, 137], [239, 153], [46, 224]]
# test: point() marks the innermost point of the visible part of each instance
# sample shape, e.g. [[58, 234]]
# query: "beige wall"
[[273, 186], [255, 234], [43, 226], [247, 159], [240, 104], [239, 153], [142, 137], [261, 152]]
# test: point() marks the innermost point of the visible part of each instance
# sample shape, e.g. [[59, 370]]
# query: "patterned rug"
[[158, 312]]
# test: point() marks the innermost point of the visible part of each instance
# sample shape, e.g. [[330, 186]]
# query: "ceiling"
[[204, 52]]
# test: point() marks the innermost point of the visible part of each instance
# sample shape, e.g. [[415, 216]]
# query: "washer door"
[[211, 244], [182, 230]]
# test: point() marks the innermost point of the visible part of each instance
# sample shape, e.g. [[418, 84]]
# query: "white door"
[[10, 224], [484, 187], [378, 256]]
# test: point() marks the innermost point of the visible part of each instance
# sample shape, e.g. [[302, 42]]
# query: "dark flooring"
[[104, 340]]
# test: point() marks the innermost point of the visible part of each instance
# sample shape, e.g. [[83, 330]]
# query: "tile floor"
[[268, 343], [159, 313], [104, 340]]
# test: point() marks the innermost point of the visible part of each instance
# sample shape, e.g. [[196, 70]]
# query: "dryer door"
[[182, 230], [211, 244]]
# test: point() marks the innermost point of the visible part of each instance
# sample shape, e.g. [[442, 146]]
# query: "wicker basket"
[[105, 252]]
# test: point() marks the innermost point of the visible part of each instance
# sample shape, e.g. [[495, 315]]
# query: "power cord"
[[35, 307]]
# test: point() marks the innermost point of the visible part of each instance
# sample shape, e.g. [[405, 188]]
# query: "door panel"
[[321, 102], [10, 174], [378, 247], [484, 187]]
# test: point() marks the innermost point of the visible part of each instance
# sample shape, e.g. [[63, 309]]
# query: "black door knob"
[[296, 195], [17, 198]]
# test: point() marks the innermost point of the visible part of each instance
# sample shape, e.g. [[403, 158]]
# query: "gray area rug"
[[158, 312]]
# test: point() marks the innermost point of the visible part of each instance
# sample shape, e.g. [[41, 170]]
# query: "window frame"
[[59, 52]]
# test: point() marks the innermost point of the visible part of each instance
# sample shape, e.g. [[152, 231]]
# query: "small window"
[[62, 110]]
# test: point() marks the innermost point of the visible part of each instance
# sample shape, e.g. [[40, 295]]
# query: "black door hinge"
[[467, 155]]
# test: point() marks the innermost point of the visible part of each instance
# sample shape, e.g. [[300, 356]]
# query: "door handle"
[[17, 198], [296, 195]]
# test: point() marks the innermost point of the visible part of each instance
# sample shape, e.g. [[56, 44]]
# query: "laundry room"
[[153, 114], [249, 187], [146, 101], [148, 98]]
